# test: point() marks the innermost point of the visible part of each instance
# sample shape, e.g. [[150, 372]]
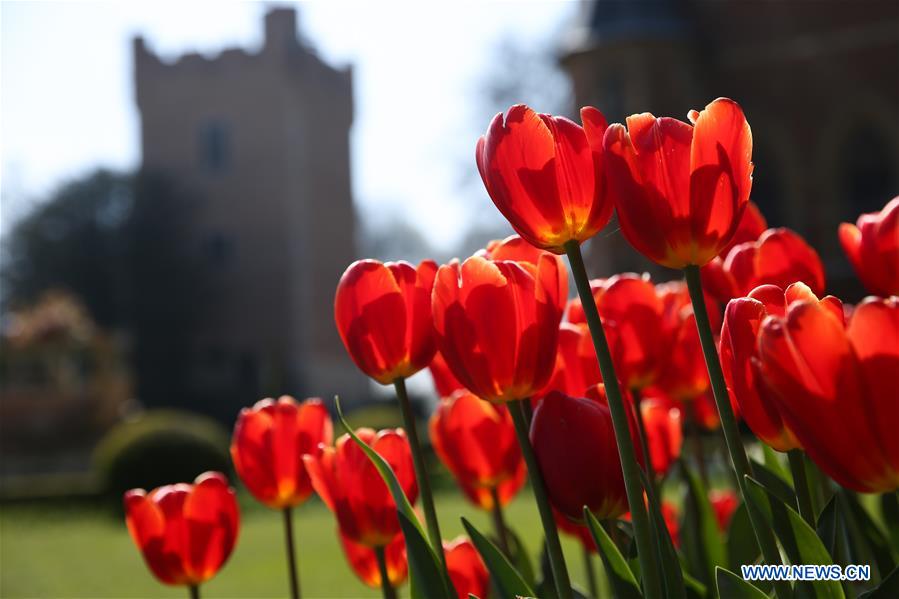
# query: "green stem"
[[291, 555], [193, 591], [644, 437], [738, 457], [591, 574], [421, 473], [387, 589], [696, 440], [499, 522], [800, 484], [630, 469], [553, 546]]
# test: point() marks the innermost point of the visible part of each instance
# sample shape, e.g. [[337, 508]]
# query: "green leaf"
[[694, 588], [742, 546], [621, 579], [889, 509], [831, 530], [703, 545], [774, 464], [734, 587], [799, 541], [428, 577], [775, 484], [520, 558], [672, 575], [868, 544], [508, 581], [888, 588]]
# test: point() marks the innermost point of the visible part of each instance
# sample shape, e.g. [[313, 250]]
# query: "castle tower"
[[262, 141]]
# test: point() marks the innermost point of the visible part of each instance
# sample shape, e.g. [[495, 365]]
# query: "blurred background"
[[183, 184]]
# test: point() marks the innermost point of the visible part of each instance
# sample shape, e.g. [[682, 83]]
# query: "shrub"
[[160, 447]]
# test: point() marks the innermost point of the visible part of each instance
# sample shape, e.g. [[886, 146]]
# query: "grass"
[[80, 552]]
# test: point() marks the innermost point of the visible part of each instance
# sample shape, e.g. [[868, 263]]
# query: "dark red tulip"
[[185, 532], [681, 190], [575, 529], [497, 324], [444, 382], [739, 361], [364, 563], [383, 314], [476, 441], [351, 487], [664, 434], [576, 367], [516, 249], [546, 175], [268, 446], [466, 569], [779, 257], [834, 389], [575, 446], [872, 245], [724, 503]]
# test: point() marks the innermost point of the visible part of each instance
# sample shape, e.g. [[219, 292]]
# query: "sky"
[[67, 105]]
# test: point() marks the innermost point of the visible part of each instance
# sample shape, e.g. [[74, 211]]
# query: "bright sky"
[[66, 100]]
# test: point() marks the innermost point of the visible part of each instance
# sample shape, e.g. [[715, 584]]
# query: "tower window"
[[215, 146]]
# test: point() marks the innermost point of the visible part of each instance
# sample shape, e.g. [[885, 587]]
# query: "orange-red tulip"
[[576, 366], [185, 532], [872, 245], [546, 175], [268, 446], [476, 441], [573, 437], [739, 360], [383, 314], [351, 487], [466, 569], [664, 434], [779, 257], [834, 386], [444, 381], [364, 562], [724, 503], [680, 190], [516, 249], [497, 324], [752, 225]]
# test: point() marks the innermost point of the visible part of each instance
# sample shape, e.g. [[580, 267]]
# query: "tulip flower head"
[[497, 324], [752, 225], [832, 385], [546, 175], [444, 382], [516, 249], [466, 569], [268, 445], [383, 315], [476, 441], [352, 488], [680, 190], [364, 562], [872, 245], [724, 503], [574, 443], [779, 257], [185, 532], [664, 433], [576, 366]]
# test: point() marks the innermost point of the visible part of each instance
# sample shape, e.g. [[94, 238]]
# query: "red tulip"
[[577, 530], [497, 324], [576, 366], [663, 433], [670, 516], [476, 441], [739, 360], [872, 245], [718, 283], [466, 569], [269, 442], [724, 503], [834, 386], [680, 190], [364, 563], [684, 375], [779, 257], [185, 531], [546, 175], [516, 249], [383, 314], [444, 382], [351, 487], [575, 446], [752, 225]]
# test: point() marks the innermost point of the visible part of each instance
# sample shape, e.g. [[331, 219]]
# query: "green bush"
[[158, 448]]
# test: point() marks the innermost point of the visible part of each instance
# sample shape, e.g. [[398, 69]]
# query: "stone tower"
[[261, 140]]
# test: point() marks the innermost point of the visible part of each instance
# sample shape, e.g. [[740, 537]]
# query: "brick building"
[[262, 141], [819, 81]]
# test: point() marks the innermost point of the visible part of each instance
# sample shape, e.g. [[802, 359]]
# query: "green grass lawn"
[[79, 552]]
